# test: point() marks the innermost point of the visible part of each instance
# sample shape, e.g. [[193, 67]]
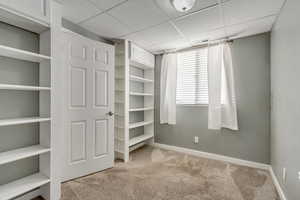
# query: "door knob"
[[110, 113]]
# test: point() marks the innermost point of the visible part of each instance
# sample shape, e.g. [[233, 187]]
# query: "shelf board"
[[18, 154], [140, 94], [140, 109], [140, 79], [27, 120], [22, 55], [139, 139], [139, 124], [23, 185], [140, 65], [22, 87]]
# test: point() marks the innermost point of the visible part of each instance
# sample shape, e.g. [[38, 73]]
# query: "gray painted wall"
[[251, 61], [18, 103], [285, 89]]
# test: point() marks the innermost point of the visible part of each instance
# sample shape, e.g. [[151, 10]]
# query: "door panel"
[[101, 88], [78, 87], [89, 90], [101, 135], [78, 141], [78, 52], [100, 56]]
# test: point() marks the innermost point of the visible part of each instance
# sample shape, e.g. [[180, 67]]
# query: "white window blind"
[[192, 79]]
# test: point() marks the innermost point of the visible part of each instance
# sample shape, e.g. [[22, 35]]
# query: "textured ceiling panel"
[[106, 26], [237, 11], [79, 10], [194, 25], [159, 34], [139, 14], [106, 4]]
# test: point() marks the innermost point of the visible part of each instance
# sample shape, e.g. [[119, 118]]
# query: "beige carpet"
[[155, 174]]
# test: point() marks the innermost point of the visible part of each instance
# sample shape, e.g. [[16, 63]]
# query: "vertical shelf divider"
[[45, 182], [135, 104]]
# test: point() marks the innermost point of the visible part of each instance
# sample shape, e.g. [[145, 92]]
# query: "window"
[[192, 80]]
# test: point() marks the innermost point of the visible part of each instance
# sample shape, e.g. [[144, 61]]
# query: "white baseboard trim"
[[213, 156], [277, 185], [30, 195]]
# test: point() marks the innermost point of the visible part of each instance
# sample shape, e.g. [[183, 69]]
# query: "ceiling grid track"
[[104, 11], [156, 26]]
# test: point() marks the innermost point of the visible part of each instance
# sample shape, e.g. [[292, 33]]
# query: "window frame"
[[195, 104]]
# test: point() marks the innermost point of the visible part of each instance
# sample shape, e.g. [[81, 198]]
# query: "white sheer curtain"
[[222, 111], [168, 82]]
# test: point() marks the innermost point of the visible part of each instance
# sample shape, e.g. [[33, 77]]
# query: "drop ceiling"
[[156, 26]]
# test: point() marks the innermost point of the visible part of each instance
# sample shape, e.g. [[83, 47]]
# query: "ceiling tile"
[[106, 4], [195, 25], [168, 46], [155, 35], [168, 8], [211, 35], [139, 14], [251, 28], [236, 11], [78, 10], [106, 26]]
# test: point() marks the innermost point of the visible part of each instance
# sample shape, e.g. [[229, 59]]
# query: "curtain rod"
[[200, 45]]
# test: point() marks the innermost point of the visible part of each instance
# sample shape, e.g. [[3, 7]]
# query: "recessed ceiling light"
[[183, 5]]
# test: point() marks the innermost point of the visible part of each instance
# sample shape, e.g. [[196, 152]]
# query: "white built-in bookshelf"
[[25, 187], [134, 100]]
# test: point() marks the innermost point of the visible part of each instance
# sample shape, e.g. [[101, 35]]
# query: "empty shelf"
[[140, 79], [140, 109], [140, 94], [22, 87], [138, 139], [138, 124], [27, 120], [23, 185], [22, 55], [18, 154], [139, 65]]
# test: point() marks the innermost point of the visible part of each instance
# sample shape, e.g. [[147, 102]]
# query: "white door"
[[89, 106]]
